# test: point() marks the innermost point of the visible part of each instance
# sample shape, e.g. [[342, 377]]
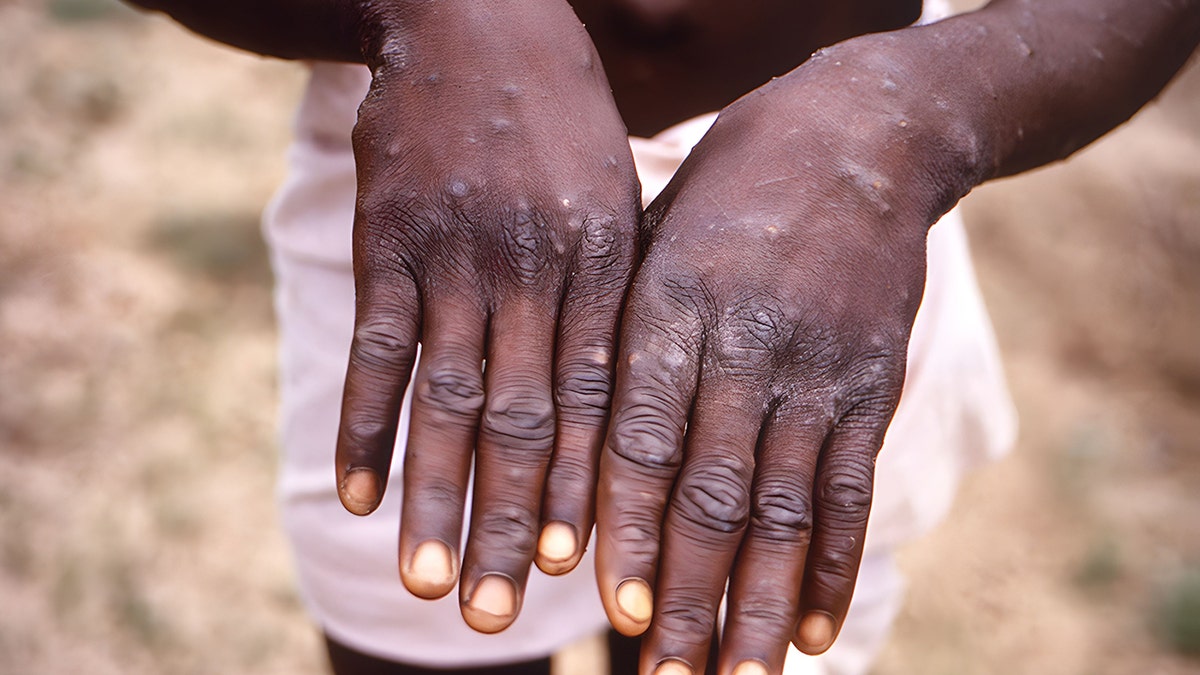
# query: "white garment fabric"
[[954, 414]]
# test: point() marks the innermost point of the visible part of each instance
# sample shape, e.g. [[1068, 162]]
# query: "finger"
[[842, 503], [516, 436], [656, 382], [706, 519], [764, 590], [386, 326], [447, 399], [583, 390]]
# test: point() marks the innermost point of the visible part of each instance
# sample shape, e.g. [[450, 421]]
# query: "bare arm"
[[331, 30], [764, 340], [1019, 84], [497, 204]]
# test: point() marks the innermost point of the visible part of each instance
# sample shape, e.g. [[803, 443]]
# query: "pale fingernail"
[[496, 596], [673, 667], [360, 491], [635, 600], [816, 632], [750, 668], [558, 543], [431, 570]]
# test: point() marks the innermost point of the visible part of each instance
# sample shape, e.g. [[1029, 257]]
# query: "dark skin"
[[762, 345]]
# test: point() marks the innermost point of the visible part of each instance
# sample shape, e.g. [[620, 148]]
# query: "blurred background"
[[137, 393]]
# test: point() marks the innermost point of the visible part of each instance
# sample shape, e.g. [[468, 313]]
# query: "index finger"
[[656, 382]]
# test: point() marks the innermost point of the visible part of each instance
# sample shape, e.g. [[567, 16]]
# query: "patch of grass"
[[1176, 615]]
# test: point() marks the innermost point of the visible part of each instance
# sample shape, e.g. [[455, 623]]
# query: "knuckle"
[[383, 344], [881, 371], [512, 524], [606, 245], [836, 567], [687, 615], [441, 495], [601, 240], [716, 496], [452, 391], [783, 510], [646, 437], [574, 475], [777, 609], [520, 418], [524, 246], [637, 534], [845, 491], [363, 433], [585, 386]]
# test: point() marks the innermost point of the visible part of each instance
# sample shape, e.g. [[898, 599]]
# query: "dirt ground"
[[137, 524]]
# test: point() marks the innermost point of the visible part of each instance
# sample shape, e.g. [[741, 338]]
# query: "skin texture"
[[762, 344], [503, 231]]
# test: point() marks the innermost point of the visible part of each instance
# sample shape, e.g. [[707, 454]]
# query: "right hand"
[[496, 217]]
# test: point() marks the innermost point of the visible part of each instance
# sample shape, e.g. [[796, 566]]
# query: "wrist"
[[403, 32], [904, 104]]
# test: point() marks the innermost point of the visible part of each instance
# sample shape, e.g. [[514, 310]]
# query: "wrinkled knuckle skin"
[[573, 473], [525, 247], [520, 420], [767, 613], [643, 436], [845, 492], [879, 375], [637, 535], [584, 390], [513, 528], [363, 434], [835, 569], [603, 241], [451, 392], [783, 510], [437, 496], [685, 615], [383, 346], [715, 497]]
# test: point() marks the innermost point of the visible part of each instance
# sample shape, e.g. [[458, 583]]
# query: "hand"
[[496, 213], [762, 357]]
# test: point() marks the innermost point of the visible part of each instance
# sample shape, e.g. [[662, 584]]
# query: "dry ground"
[[137, 527]]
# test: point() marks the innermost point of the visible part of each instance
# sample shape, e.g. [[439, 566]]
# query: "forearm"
[[1002, 90], [1052, 76], [360, 31], [333, 30]]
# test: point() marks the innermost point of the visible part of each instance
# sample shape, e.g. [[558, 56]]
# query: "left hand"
[[762, 357]]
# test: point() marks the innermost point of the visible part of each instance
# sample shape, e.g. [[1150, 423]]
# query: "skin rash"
[[767, 294]]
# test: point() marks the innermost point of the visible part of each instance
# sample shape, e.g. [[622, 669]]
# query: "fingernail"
[[635, 600], [673, 667], [816, 632], [751, 668], [360, 491], [558, 542], [431, 570], [495, 598]]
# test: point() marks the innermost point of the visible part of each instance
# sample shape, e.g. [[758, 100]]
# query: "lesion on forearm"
[[1044, 79]]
